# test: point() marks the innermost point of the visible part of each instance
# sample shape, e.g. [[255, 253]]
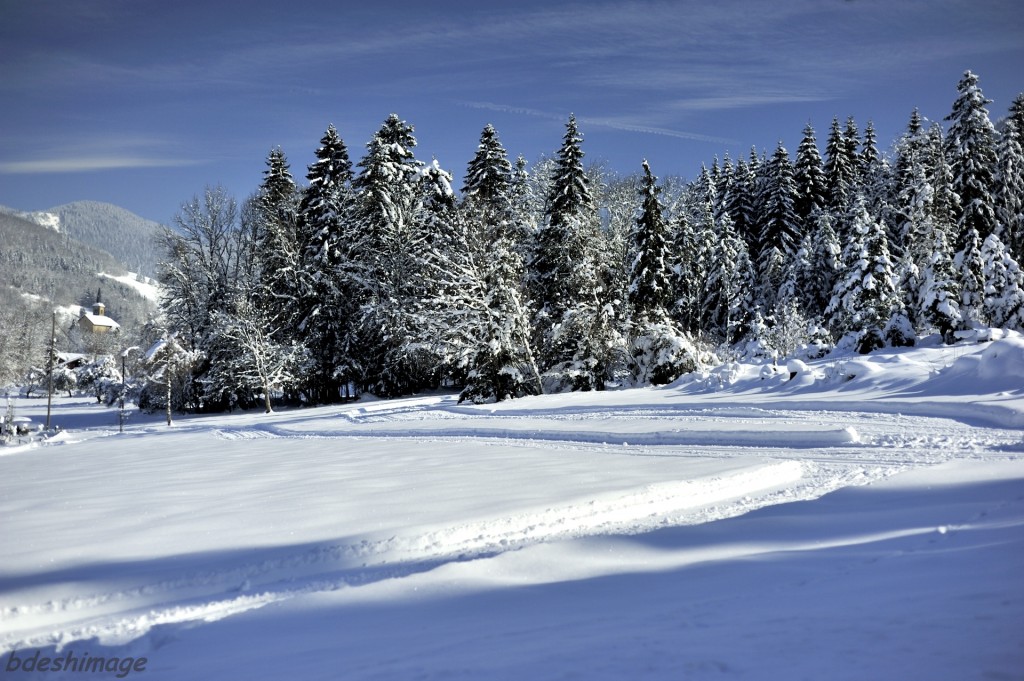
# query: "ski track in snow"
[[809, 453]]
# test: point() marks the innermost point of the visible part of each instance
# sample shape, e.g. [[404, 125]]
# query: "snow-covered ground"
[[847, 518]]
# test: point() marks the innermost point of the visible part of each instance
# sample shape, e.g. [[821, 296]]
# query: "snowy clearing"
[[148, 289], [863, 518]]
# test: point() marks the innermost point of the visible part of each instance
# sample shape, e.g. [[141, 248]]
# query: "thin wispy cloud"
[[83, 164], [93, 152]]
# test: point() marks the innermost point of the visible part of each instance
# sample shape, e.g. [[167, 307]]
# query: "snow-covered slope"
[[862, 518], [148, 289]]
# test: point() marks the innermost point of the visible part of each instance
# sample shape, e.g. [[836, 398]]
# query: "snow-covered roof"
[[101, 320], [66, 357]]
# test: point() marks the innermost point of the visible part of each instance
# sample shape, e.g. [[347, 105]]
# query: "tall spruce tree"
[[687, 274], [327, 309], [809, 180], [780, 226], [658, 351], [865, 295], [387, 205], [908, 172], [819, 267], [649, 290], [970, 147], [486, 189], [575, 326], [1009, 195], [277, 248], [728, 301], [839, 175]]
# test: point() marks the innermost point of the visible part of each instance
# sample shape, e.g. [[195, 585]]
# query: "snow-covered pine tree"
[[865, 295], [448, 291], [816, 266], [739, 203], [938, 303], [875, 180], [658, 351], [687, 275], [730, 285], [387, 205], [724, 185], [574, 326], [329, 295], [1004, 286], [649, 290], [1009, 195], [503, 364], [277, 248], [851, 138], [499, 357], [907, 171], [839, 178], [780, 226], [970, 269], [486, 189], [808, 180], [915, 202], [970, 147], [940, 175], [868, 158], [523, 221]]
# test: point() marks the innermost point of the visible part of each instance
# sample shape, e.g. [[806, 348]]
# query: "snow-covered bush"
[[660, 354], [64, 380], [899, 332], [102, 377]]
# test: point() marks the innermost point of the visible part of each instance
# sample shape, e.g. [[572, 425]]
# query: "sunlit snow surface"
[[848, 518]]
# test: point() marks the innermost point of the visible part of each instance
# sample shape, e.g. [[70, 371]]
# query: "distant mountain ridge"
[[126, 236]]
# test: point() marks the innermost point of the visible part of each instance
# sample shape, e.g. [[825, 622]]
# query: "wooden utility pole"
[[167, 377], [50, 361]]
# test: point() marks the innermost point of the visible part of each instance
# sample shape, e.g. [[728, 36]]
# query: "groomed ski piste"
[[853, 517]]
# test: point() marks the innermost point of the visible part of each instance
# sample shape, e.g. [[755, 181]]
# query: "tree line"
[[379, 277]]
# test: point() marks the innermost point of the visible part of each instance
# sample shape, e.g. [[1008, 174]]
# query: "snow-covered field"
[[851, 518]]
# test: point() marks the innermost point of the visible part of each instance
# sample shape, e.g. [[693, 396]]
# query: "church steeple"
[[98, 308]]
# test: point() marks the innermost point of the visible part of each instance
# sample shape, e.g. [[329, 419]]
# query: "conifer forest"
[[377, 276]]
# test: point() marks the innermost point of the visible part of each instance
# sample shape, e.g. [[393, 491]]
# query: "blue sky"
[[142, 103]]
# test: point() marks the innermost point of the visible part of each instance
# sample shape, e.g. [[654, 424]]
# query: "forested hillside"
[[128, 237], [40, 270]]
